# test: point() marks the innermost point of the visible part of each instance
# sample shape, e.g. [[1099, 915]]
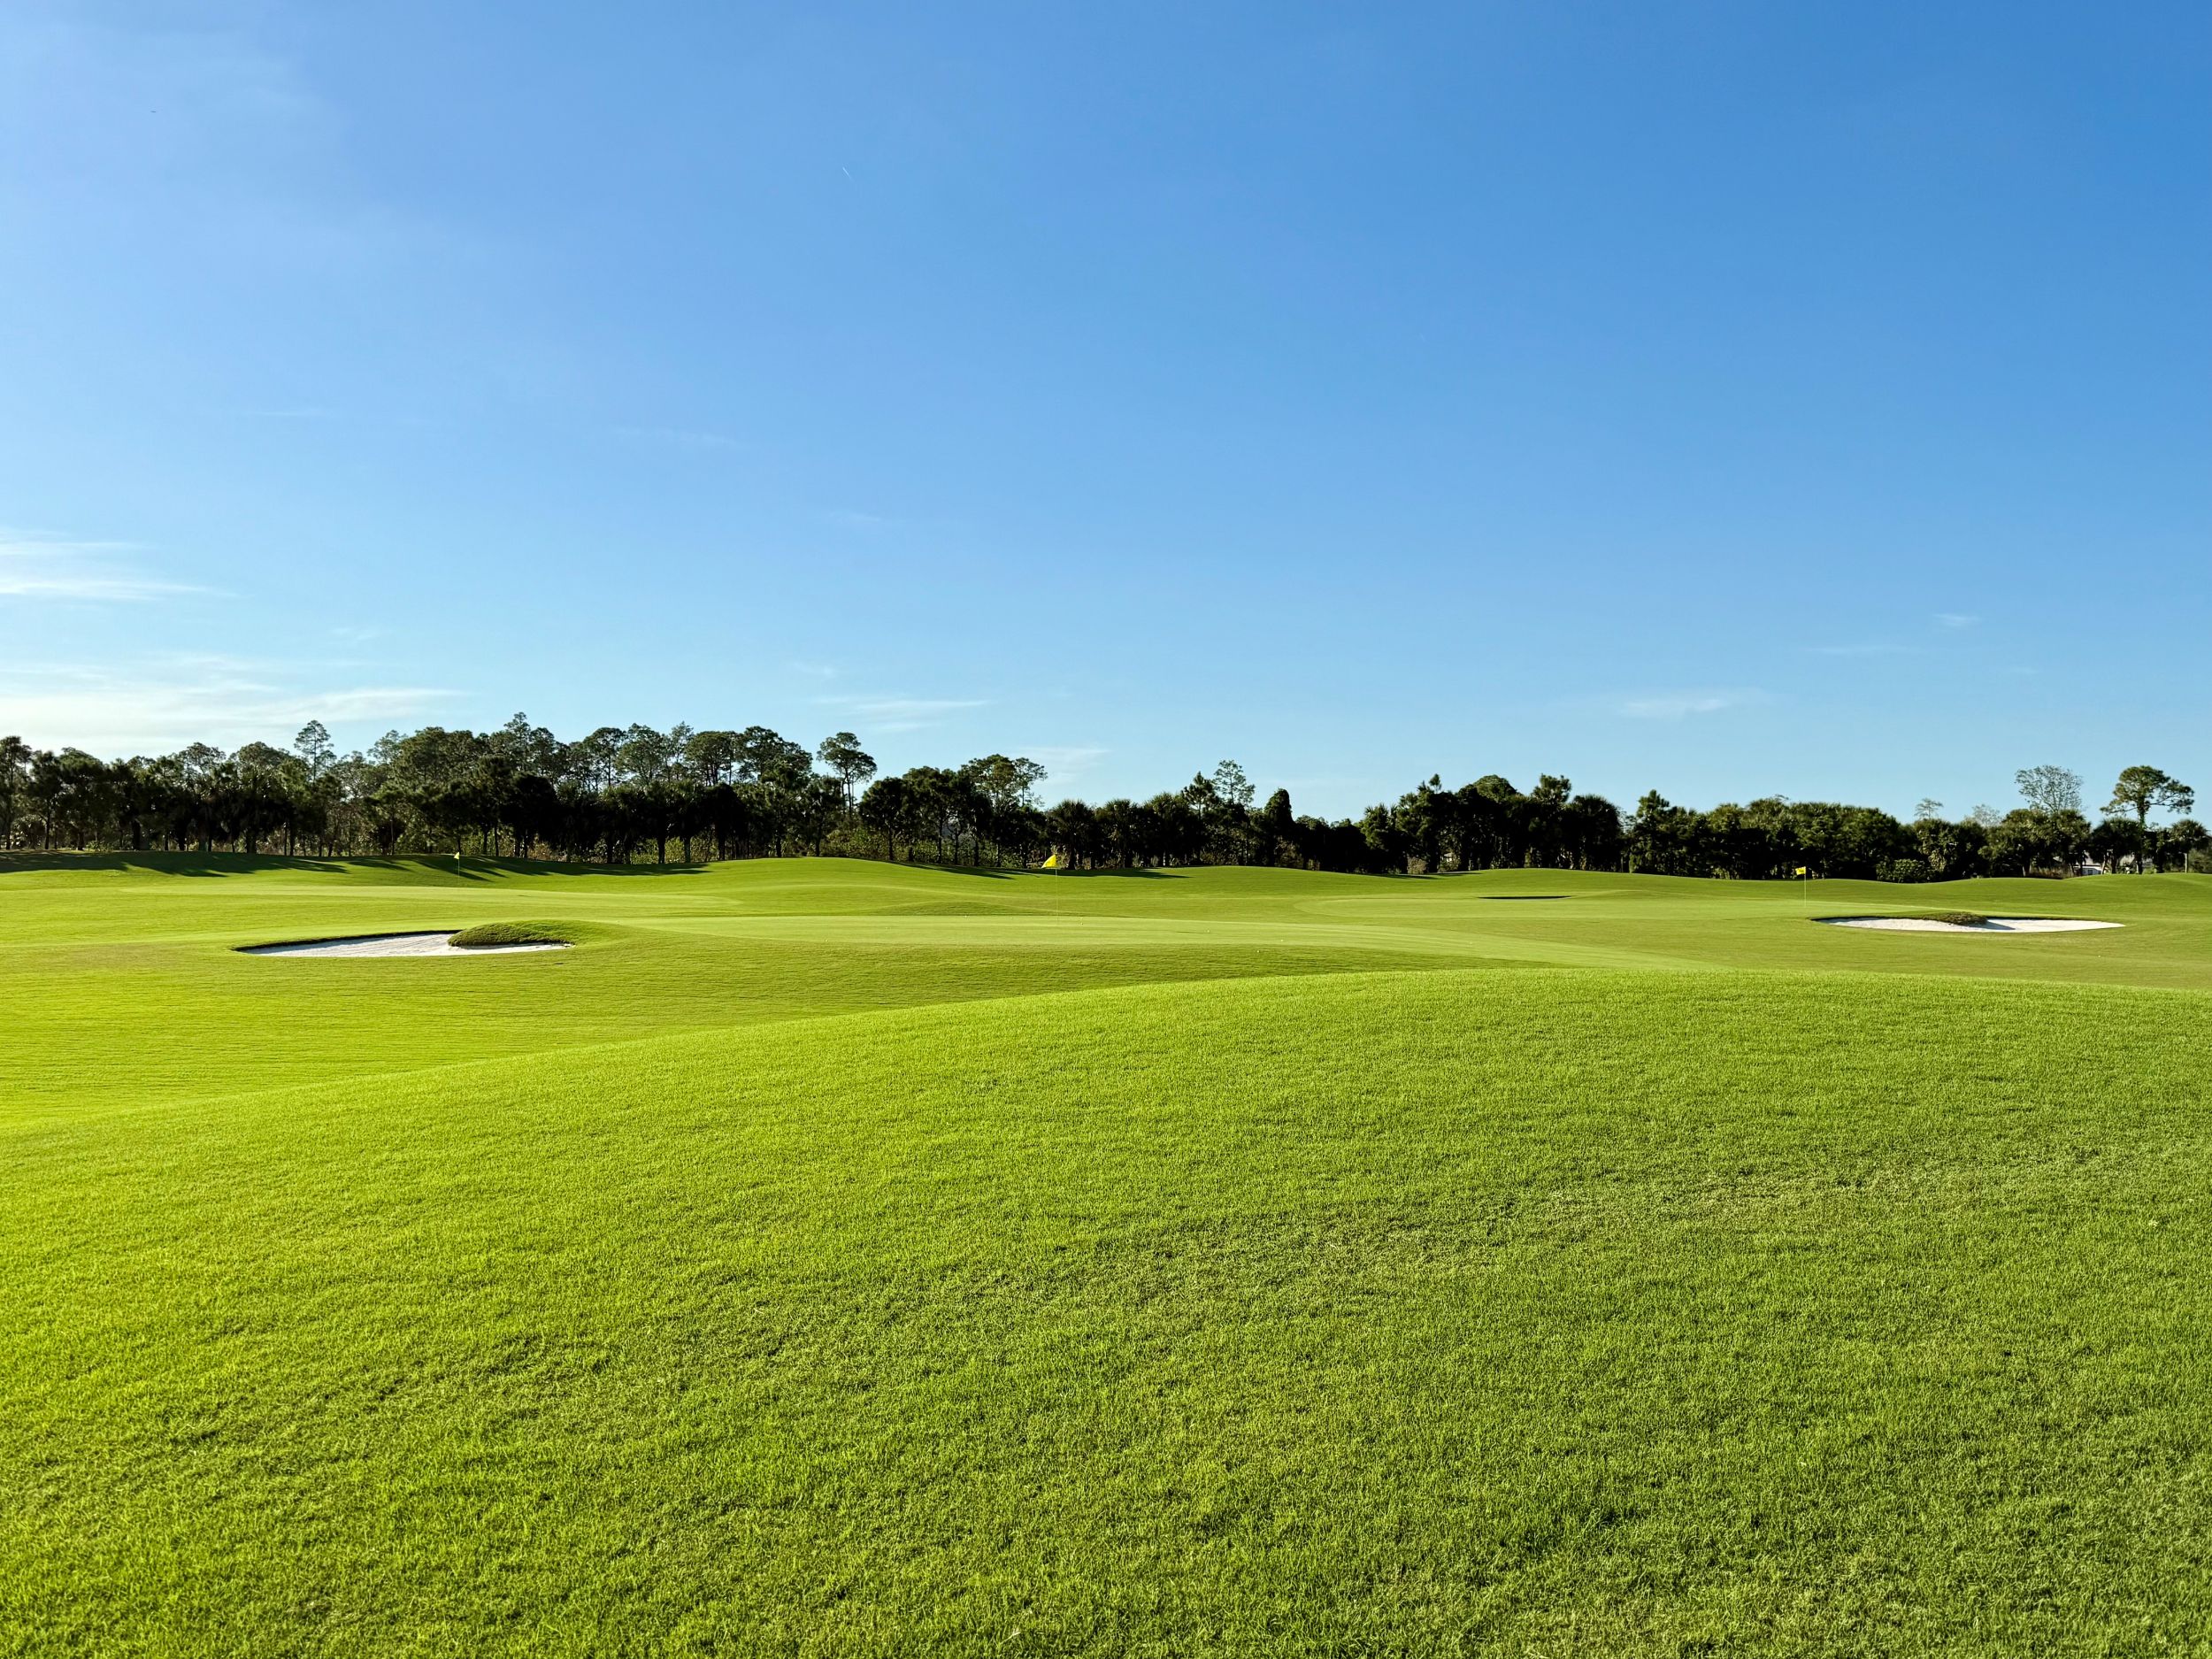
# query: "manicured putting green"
[[832, 1258]]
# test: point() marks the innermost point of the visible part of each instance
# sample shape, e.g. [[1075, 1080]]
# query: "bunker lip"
[[1992, 924], [438, 943]]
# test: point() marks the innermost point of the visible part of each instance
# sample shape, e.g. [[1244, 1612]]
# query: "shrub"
[[1957, 918], [1903, 870]]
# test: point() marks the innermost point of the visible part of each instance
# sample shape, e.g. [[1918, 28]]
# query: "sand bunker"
[[1995, 925], [387, 945]]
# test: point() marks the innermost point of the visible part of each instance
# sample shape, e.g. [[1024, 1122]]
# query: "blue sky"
[[1724, 398]]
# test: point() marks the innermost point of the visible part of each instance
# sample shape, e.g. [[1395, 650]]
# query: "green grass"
[[835, 1258]]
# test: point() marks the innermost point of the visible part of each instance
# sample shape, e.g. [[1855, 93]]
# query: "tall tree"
[[1663, 839], [273, 791], [1276, 827], [2185, 842], [2049, 790], [647, 756], [532, 750], [1007, 787], [1421, 819], [15, 765], [1231, 786], [1386, 840], [846, 761], [2033, 840], [886, 809], [711, 757], [315, 750], [1073, 829], [2144, 790]]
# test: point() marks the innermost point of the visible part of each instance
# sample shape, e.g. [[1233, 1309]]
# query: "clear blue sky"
[[1722, 398]]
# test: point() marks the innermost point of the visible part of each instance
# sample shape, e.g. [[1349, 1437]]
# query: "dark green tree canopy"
[[2144, 790], [620, 794]]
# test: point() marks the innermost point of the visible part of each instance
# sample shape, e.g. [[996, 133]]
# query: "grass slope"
[[1572, 1307]]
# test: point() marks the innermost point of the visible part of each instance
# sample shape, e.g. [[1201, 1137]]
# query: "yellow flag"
[[1801, 870], [1053, 863]]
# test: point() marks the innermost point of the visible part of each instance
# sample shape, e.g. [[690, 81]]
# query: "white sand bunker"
[[390, 945], [1991, 924]]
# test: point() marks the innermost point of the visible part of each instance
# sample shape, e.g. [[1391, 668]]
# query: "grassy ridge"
[[1571, 1312]]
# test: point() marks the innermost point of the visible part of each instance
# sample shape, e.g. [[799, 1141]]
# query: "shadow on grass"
[[260, 864], [166, 864], [479, 869], [483, 869], [1071, 875], [990, 873]]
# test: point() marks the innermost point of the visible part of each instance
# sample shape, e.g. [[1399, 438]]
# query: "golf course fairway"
[[830, 1257]]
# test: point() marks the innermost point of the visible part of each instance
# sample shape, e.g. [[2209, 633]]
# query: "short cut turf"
[[841, 1259]]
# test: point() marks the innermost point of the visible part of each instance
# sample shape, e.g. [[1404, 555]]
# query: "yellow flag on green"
[[1803, 871], [1053, 863]]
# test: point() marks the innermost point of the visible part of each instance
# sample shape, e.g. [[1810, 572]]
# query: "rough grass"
[[1649, 1308], [1957, 918], [488, 933]]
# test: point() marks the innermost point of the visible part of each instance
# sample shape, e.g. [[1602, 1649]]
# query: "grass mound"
[[1955, 919], [485, 934]]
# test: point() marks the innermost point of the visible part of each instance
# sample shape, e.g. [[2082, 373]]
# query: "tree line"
[[625, 795]]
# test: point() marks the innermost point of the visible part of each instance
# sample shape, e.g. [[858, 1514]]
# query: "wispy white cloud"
[[846, 518], [815, 671], [899, 713], [165, 702], [909, 708], [44, 567], [1675, 705], [1064, 762], [1956, 619]]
